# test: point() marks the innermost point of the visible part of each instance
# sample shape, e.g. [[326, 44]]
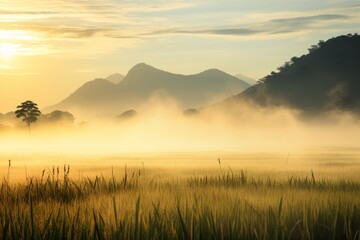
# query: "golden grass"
[[218, 202]]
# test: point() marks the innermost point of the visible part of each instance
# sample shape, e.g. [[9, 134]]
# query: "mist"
[[161, 126], [161, 136]]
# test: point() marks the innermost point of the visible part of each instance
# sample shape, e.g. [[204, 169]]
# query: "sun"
[[8, 50]]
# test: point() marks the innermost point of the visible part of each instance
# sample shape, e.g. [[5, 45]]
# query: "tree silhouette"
[[29, 112]]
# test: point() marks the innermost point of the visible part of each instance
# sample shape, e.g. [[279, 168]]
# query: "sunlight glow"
[[11, 35], [8, 50]]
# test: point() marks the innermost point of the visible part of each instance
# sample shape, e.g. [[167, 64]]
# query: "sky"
[[48, 48]]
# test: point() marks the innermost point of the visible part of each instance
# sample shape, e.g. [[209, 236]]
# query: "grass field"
[[211, 199]]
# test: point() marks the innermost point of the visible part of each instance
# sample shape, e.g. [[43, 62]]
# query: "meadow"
[[190, 196]]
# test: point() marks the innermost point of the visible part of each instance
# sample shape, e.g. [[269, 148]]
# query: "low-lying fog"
[[161, 133]]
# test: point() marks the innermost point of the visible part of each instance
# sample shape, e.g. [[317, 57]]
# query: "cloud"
[[222, 31], [270, 27], [62, 20], [130, 19], [79, 7], [24, 12], [84, 18], [56, 31], [71, 32], [299, 23], [165, 6]]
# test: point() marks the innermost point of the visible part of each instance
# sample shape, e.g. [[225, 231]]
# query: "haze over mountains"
[[115, 78], [142, 82], [325, 79], [247, 79]]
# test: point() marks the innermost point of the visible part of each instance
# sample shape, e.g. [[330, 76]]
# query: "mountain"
[[101, 96], [115, 78], [325, 79], [249, 80]]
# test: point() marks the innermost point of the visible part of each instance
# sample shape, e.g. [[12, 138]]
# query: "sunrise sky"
[[48, 48]]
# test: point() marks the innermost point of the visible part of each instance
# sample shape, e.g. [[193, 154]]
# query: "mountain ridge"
[[326, 78], [142, 81], [247, 79], [115, 78]]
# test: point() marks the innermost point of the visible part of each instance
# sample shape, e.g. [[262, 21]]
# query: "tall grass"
[[227, 205]]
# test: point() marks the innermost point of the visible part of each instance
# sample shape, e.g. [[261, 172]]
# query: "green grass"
[[226, 205]]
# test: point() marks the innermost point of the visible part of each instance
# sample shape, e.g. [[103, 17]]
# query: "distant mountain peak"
[[143, 73], [142, 81], [142, 66], [115, 78], [212, 71], [97, 81]]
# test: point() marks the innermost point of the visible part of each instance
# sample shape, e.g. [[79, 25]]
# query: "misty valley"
[[157, 155]]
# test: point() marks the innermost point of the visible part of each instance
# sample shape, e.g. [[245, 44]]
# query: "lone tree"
[[29, 112]]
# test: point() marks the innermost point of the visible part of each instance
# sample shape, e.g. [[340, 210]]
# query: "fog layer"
[[161, 126]]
